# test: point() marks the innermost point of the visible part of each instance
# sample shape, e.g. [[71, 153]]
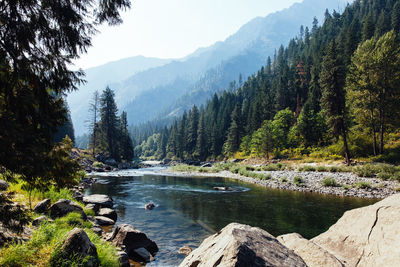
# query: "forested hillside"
[[333, 91]]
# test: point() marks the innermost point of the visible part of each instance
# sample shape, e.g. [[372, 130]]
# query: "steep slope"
[[162, 90], [99, 77], [211, 69]]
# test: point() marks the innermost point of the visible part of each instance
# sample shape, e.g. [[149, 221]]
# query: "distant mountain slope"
[[162, 90], [99, 77], [242, 53]]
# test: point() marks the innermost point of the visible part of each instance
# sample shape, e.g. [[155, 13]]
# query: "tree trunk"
[[373, 132], [345, 146]]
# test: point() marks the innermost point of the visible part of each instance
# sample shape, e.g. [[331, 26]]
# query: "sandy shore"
[[312, 182]]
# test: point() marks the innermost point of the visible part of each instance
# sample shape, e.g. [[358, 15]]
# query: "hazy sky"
[[174, 28]]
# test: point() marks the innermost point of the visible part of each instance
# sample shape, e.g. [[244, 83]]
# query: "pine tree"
[[235, 132], [201, 144], [126, 145], [332, 81], [396, 17], [94, 114], [109, 122], [193, 122]]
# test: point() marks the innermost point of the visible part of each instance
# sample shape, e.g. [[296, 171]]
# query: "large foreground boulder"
[[242, 245], [65, 206], [368, 236], [311, 253], [103, 201], [77, 248], [134, 242]]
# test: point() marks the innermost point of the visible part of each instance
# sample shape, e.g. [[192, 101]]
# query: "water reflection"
[[189, 209]]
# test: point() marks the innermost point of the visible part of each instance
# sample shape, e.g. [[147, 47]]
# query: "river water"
[[188, 209]]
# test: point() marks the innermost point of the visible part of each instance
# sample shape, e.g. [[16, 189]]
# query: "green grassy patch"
[[330, 182], [298, 180], [38, 250]]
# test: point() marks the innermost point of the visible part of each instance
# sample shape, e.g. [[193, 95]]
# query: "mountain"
[[99, 77], [163, 90]]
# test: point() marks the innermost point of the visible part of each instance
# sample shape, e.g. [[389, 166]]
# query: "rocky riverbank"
[[365, 236], [347, 184]]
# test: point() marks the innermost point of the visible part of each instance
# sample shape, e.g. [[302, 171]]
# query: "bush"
[[283, 179], [329, 181], [274, 167], [321, 169], [298, 180], [307, 168], [362, 185]]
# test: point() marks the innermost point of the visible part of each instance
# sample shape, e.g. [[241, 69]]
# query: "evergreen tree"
[[109, 122], [93, 118], [125, 140], [235, 132], [193, 122], [396, 17], [332, 81], [201, 144]]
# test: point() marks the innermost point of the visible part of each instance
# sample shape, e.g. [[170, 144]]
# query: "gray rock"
[[123, 259], [130, 239], [242, 245], [104, 221], [41, 220], [185, 250], [149, 206], [103, 201], [97, 230], [77, 247], [65, 206], [206, 165], [77, 196], [94, 207], [109, 213], [4, 185], [42, 206], [111, 162], [142, 253]]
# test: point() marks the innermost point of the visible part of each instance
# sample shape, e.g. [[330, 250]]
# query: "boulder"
[[206, 165], [42, 206], [65, 206], [242, 245], [123, 259], [41, 220], [185, 250], [104, 221], [367, 236], [103, 201], [76, 248], [4, 185], [109, 213], [311, 253], [131, 239], [97, 230], [111, 162], [94, 207], [149, 206], [143, 254]]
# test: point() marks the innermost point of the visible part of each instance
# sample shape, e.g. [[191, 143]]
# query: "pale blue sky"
[[174, 28]]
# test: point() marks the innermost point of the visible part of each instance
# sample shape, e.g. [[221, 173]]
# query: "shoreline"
[[312, 182]]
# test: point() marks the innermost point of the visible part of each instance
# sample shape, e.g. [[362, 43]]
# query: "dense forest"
[[334, 91]]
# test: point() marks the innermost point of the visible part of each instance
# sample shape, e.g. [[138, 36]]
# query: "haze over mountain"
[[163, 88]]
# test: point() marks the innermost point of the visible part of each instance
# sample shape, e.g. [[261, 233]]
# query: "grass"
[[330, 182], [298, 180], [39, 249], [284, 179], [362, 185], [274, 167]]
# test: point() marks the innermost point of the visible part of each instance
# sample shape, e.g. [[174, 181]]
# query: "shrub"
[[297, 180], [283, 179], [329, 181], [307, 168], [362, 185], [321, 169]]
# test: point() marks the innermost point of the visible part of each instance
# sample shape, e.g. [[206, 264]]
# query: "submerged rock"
[[149, 206], [103, 201], [77, 248], [185, 250], [222, 188], [242, 245], [131, 239]]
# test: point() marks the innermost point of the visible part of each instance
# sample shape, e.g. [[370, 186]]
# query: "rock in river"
[[149, 206], [109, 213], [242, 245], [103, 200], [127, 236]]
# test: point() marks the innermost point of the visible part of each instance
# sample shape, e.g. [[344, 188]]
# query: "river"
[[188, 209]]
